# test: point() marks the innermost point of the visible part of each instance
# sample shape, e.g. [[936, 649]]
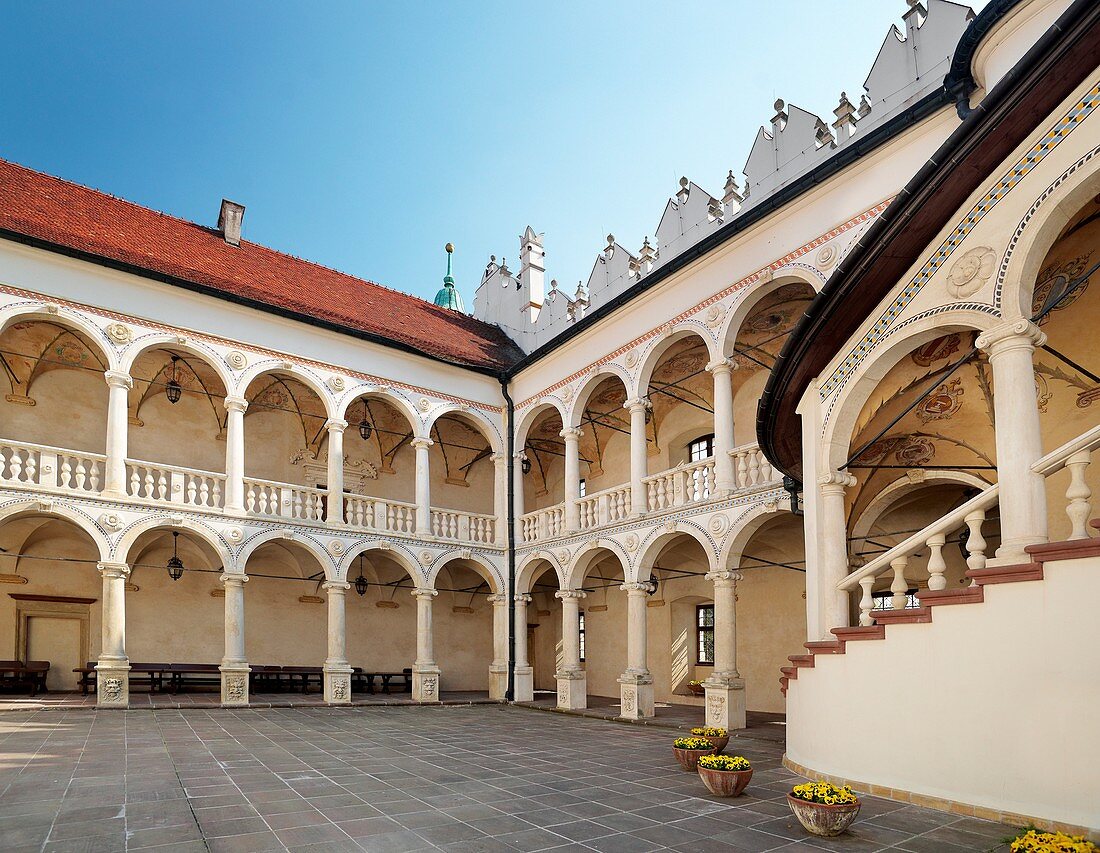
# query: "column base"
[[234, 684], [337, 684], [725, 702], [636, 696], [572, 689], [425, 684], [112, 684], [524, 689], [498, 681]]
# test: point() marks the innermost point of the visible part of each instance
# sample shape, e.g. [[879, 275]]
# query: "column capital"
[[424, 594], [114, 570], [334, 425], [499, 458], [497, 599], [835, 481], [118, 379], [421, 443], [519, 455], [573, 433], [722, 365], [523, 598], [233, 579], [635, 403], [1014, 335], [723, 578], [637, 587], [570, 593], [338, 587], [235, 404]]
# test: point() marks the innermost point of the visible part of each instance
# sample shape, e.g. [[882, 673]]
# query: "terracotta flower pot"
[[689, 758], [697, 690], [725, 783], [821, 818], [719, 743]]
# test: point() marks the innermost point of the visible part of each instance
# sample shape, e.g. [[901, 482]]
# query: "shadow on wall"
[[681, 662]]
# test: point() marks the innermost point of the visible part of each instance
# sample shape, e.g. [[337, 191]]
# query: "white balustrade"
[[543, 523], [608, 506], [34, 465], [283, 500], [1075, 456], [682, 485], [752, 468], [463, 526], [174, 485]]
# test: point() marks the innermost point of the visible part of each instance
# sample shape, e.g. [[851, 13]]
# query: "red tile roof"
[[79, 219]]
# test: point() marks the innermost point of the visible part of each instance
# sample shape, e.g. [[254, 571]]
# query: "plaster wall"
[[979, 677]]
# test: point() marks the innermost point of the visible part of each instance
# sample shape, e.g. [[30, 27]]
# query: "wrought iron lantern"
[[365, 429], [525, 465], [654, 582], [175, 565], [361, 582], [173, 390]]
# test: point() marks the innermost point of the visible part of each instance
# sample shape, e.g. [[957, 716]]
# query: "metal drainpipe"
[[510, 694]]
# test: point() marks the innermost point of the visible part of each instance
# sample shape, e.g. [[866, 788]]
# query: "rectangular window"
[[582, 490], [704, 628], [580, 633], [700, 449]]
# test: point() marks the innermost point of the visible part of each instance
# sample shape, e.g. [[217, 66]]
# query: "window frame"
[[700, 630], [580, 634], [707, 441]]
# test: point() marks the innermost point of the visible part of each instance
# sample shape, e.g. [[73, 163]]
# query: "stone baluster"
[[899, 586], [975, 542], [936, 564], [1079, 495], [866, 602]]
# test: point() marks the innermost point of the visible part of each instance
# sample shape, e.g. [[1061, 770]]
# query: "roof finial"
[[448, 297]]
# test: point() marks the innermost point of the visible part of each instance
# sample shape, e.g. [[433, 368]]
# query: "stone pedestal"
[[337, 684], [636, 695], [425, 684], [524, 684], [725, 702], [234, 685], [572, 690], [112, 684], [498, 681]]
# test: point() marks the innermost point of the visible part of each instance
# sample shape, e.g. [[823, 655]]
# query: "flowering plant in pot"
[[1037, 841], [822, 808], [696, 688], [689, 749], [717, 736], [724, 775]]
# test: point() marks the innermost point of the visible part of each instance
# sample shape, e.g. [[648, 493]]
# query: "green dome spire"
[[448, 295]]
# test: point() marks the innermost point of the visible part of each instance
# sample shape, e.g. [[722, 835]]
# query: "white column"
[[832, 603], [335, 511], [425, 671], [725, 688], [118, 396], [337, 669], [423, 486], [572, 687], [517, 496], [500, 497], [725, 479], [113, 667], [637, 406], [234, 454], [1023, 502], [524, 684], [234, 665], [636, 684], [572, 438], [498, 670]]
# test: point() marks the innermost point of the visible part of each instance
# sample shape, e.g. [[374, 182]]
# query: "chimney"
[[532, 271], [229, 221]]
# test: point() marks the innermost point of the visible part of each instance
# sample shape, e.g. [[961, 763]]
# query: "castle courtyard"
[[462, 778]]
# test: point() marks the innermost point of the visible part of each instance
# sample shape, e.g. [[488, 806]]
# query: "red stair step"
[[802, 660], [966, 595], [908, 616], [789, 671], [1069, 550], [871, 632], [1016, 573], [825, 647]]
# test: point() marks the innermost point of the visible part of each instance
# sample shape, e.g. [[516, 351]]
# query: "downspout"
[[510, 694]]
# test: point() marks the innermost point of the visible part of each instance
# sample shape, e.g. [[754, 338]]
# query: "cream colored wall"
[[1010, 672], [70, 411], [184, 434]]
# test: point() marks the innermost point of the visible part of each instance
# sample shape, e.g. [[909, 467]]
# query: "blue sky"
[[366, 135]]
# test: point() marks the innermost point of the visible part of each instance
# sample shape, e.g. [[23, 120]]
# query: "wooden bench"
[[150, 674], [361, 678], [305, 674], [30, 675], [194, 675]]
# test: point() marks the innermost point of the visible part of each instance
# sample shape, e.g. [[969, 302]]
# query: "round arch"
[[286, 368], [652, 357], [752, 297], [393, 551], [200, 529], [745, 528], [652, 547], [528, 571], [398, 402], [207, 355], [586, 557], [308, 543], [50, 509], [523, 427], [472, 418], [903, 486], [1039, 229], [840, 423], [481, 567], [590, 383], [39, 313]]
